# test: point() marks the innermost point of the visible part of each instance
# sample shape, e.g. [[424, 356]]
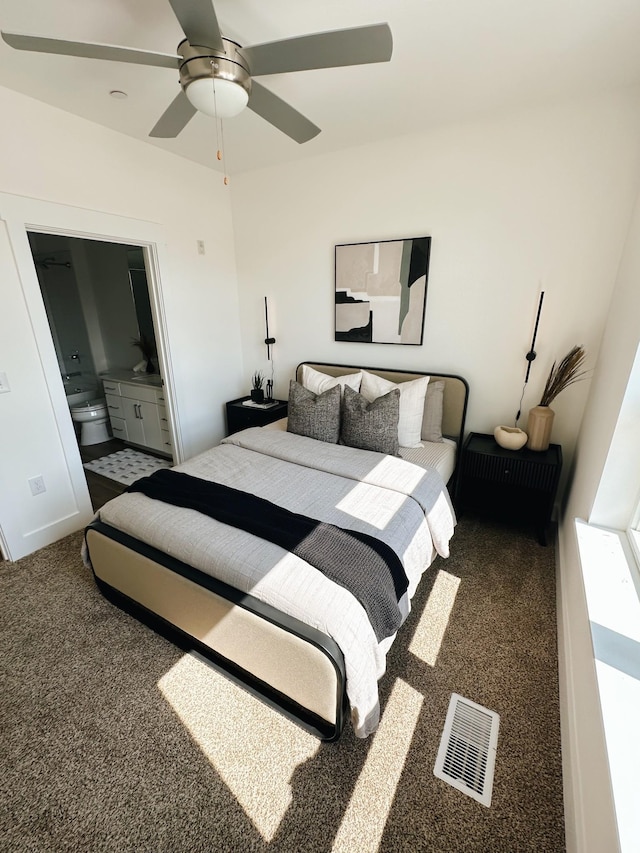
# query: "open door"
[[35, 421]]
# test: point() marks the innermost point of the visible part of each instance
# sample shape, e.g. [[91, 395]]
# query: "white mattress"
[[438, 455]]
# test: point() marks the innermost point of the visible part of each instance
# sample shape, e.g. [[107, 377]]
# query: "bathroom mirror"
[[140, 294], [97, 303]]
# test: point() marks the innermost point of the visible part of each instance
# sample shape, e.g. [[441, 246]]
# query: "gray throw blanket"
[[364, 565]]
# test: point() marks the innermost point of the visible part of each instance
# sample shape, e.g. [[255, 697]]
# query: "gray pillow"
[[432, 421], [371, 425], [314, 415]]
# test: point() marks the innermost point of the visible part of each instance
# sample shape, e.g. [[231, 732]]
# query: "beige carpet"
[[113, 740]]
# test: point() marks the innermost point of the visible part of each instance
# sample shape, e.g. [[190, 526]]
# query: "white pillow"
[[412, 394], [318, 382]]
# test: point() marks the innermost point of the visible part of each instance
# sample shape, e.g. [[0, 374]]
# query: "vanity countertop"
[[153, 380]]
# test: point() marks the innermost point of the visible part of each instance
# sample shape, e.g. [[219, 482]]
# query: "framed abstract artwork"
[[381, 291]]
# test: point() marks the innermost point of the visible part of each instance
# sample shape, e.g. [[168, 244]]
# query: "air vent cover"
[[467, 754]]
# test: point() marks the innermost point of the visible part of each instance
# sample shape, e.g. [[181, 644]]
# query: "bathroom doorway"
[[98, 307]]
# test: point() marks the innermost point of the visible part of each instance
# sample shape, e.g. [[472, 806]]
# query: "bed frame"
[[287, 664]]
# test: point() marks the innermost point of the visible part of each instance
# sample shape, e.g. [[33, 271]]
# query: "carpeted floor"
[[113, 740]]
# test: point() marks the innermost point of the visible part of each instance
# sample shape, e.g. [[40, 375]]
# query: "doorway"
[[98, 307], [36, 422]]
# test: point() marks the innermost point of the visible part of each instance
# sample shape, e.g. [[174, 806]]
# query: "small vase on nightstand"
[[539, 427], [511, 438]]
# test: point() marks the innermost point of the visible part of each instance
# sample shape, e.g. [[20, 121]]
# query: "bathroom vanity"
[[137, 410]]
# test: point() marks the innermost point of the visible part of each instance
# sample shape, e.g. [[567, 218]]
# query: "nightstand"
[[509, 484], [241, 417]]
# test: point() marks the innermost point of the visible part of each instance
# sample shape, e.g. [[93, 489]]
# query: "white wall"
[[536, 200], [46, 154], [539, 200], [603, 488], [606, 481]]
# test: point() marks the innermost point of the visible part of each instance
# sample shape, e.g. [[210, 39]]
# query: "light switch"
[[4, 383]]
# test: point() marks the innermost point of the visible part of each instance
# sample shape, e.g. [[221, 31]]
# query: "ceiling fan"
[[217, 74]]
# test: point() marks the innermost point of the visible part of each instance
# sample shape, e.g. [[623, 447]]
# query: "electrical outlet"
[[4, 383], [201, 247], [37, 486]]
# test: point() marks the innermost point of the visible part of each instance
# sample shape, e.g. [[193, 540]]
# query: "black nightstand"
[[241, 417], [509, 484]]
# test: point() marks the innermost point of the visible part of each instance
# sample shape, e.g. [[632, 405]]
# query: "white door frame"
[[22, 214]]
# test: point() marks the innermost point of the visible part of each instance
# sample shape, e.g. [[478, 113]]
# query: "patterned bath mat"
[[126, 466]]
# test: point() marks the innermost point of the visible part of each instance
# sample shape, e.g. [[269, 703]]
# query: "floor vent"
[[467, 753]]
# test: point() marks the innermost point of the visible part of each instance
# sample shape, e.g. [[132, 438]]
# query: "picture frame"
[[381, 291]]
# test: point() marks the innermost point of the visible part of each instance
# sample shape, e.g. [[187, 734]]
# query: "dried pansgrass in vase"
[[568, 371], [561, 375]]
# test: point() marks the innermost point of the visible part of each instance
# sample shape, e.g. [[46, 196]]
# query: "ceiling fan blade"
[[280, 114], [333, 49], [175, 118], [199, 22], [90, 50]]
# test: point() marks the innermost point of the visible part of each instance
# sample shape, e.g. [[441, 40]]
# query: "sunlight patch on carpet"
[[256, 760], [430, 630], [364, 820]]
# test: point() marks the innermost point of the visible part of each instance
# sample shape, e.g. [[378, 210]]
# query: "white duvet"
[[400, 503]]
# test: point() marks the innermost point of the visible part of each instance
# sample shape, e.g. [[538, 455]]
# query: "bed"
[[243, 561]]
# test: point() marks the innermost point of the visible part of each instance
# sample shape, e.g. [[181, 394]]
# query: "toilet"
[[93, 418]]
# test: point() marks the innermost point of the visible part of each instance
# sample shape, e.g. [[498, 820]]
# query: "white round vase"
[[511, 438]]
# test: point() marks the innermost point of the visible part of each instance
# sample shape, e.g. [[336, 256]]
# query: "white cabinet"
[[165, 436], [116, 413], [138, 414]]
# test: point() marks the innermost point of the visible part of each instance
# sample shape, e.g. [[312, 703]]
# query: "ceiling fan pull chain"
[[215, 111], [226, 178], [219, 128]]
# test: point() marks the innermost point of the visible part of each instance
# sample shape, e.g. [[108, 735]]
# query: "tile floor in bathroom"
[[102, 489]]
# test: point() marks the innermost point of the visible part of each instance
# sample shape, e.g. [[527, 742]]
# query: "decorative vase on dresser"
[[539, 427]]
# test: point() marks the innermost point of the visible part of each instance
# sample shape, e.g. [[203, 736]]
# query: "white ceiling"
[[453, 60]]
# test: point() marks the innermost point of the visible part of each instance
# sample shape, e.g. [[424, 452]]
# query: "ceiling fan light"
[[229, 99]]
